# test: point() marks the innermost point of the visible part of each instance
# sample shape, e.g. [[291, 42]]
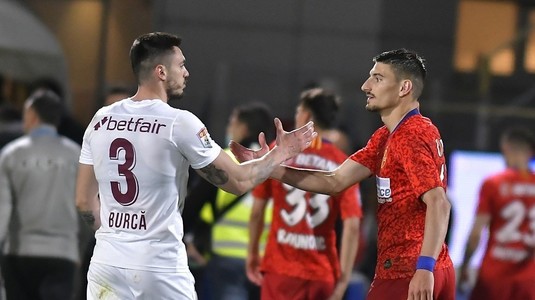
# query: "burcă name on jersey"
[[132, 125]]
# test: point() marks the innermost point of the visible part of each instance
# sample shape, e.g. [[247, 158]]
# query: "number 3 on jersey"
[[124, 169], [297, 199]]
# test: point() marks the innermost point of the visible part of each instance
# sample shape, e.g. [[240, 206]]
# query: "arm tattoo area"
[[214, 175], [88, 218]]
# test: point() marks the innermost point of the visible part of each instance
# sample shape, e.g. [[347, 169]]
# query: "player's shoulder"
[[419, 127], [421, 123], [12, 147], [186, 118], [496, 178], [508, 174], [381, 133]]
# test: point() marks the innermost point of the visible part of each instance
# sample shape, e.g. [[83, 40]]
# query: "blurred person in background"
[[38, 219], [292, 268], [507, 208], [336, 134], [226, 216], [117, 93], [68, 125]]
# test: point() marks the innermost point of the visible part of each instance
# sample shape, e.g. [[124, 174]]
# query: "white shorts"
[[107, 282]]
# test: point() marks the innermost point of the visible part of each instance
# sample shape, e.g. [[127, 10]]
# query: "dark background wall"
[[268, 50], [239, 50]]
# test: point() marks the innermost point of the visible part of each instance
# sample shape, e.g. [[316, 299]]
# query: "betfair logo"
[[132, 125]]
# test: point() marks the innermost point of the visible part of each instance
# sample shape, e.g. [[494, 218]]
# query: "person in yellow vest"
[[228, 218]]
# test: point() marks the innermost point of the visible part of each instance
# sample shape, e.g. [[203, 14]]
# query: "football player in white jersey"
[[135, 156]]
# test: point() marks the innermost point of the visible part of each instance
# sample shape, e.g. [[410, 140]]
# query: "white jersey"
[[141, 152]]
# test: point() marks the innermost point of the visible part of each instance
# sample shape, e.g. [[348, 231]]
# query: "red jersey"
[[509, 198], [302, 238], [407, 163]]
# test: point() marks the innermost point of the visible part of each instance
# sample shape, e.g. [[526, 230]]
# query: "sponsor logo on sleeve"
[[204, 136]]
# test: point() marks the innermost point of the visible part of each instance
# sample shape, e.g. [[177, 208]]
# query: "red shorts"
[[394, 289], [278, 287], [503, 289]]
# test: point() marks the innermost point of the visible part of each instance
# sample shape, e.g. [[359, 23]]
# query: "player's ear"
[[161, 72], [405, 87]]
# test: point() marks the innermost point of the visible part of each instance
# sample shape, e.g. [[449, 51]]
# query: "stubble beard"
[[372, 108], [176, 96], [174, 93]]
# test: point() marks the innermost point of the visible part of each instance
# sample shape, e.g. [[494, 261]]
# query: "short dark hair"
[[148, 50], [258, 118], [519, 136], [406, 63], [47, 106], [323, 105]]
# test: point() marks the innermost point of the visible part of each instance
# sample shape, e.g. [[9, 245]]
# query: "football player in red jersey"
[[507, 207], [301, 259], [406, 155]]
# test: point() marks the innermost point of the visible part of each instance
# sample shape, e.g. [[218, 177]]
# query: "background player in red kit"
[[301, 259], [507, 206], [406, 156]]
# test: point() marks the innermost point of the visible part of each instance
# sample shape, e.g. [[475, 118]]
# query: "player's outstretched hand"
[[291, 143], [295, 141], [244, 154]]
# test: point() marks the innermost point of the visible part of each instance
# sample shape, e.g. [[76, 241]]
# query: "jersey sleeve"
[[263, 190], [350, 202], [194, 141], [86, 156], [367, 156], [423, 161], [486, 192]]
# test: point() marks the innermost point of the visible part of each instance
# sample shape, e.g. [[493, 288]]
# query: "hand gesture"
[[295, 141], [243, 154], [421, 285], [291, 143]]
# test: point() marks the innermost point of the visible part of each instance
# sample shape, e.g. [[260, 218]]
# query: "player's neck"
[[519, 164], [149, 92], [393, 117]]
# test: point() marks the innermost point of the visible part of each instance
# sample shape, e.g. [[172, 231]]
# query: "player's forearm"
[[256, 225], [473, 238], [87, 201], [348, 249], [436, 226], [251, 173], [316, 181], [468, 252]]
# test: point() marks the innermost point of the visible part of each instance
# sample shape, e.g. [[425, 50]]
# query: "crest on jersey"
[[204, 136]]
